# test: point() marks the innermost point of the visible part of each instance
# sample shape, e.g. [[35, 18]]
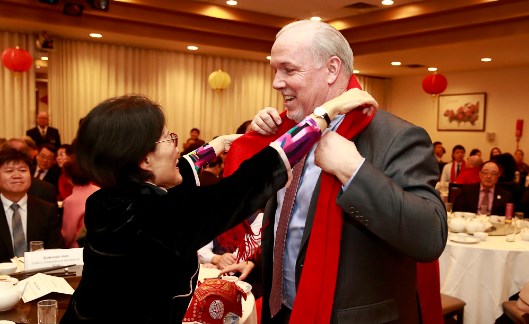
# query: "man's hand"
[[338, 156], [266, 121]]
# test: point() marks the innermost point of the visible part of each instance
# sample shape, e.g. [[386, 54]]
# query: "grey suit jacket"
[[43, 225], [393, 218]]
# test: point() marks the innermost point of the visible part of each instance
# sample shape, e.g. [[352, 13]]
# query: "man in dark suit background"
[[485, 197], [41, 219], [47, 168], [43, 133], [392, 215]]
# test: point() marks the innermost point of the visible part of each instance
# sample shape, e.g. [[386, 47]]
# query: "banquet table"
[[484, 274], [27, 312]]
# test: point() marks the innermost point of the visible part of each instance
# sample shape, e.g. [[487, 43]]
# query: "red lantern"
[[17, 59], [519, 128], [434, 84]]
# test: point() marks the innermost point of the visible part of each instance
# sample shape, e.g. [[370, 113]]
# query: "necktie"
[[484, 208], [19, 239], [281, 236], [39, 173], [458, 166], [43, 132]]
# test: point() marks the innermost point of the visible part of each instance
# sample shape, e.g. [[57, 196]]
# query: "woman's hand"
[[222, 143], [350, 100], [244, 267]]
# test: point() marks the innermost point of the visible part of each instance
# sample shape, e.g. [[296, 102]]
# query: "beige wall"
[[507, 100]]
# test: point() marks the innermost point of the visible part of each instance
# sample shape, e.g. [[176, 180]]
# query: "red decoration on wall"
[[17, 59], [519, 128], [434, 84]]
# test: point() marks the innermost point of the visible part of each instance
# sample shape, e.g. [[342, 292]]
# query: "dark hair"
[[195, 130], [458, 147], [507, 162], [9, 154], [115, 137], [242, 129], [67, 148], [474, 152], [49, 147], [72, 170]]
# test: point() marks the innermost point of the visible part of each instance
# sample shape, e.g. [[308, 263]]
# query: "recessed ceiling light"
[[95, 35], [231, 3], [387, 2], [396, 63], [356, 71], [315, 18], [432, 69], [192, 47], [269, 57], [486, 59], [44, 58]]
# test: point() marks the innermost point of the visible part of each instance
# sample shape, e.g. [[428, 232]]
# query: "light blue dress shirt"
[[296, 226]]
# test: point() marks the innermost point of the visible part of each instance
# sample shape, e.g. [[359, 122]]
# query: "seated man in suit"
[[23, 218], [484, 197], [47, 168], [42, 133]]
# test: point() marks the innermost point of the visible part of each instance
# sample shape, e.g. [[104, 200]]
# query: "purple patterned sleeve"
[[202, 156], [299, 140]]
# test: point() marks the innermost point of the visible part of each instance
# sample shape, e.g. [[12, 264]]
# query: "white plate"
[[246, 287], [468, 240]]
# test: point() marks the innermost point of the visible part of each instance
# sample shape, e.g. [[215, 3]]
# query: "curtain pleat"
[[17, 90]]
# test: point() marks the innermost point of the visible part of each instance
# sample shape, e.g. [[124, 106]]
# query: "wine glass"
[[518, 220]]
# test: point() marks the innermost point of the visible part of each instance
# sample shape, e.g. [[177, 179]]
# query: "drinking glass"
[[47, 311], [518, 220], [448, 206], [510, 232], [36, 246]]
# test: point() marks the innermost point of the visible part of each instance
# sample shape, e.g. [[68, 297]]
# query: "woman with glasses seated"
[[145, 225]]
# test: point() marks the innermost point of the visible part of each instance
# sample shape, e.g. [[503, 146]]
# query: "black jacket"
[[140, 260]]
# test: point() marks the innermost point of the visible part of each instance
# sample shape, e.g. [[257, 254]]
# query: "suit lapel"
[[5, 234]]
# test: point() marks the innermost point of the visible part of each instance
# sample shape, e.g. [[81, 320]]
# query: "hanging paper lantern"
[[17, 59], [434, 84], [219, 80]]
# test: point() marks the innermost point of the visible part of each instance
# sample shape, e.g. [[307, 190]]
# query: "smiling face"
[[489, 175], [303, 84], [15, 180], [163, 162]]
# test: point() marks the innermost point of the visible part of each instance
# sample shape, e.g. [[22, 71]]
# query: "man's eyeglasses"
[[172, 137], [492, 174]]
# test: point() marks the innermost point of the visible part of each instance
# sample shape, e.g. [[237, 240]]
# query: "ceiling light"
[[269, 57], [396, 63], [486, 59], [73, 9], [95, 35], [387, 2], [44, 58], [356, 71], [231, 3], [192, 48], [315, 18], [100, 4], [432, 69]]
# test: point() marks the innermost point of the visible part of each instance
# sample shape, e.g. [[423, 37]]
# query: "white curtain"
[[82, 74], [17, 90], [377, 87]]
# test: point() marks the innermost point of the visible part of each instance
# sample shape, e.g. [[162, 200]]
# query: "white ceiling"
[[508, 45]]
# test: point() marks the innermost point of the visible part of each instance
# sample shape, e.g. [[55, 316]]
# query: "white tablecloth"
[[249, 313], [484, 275]]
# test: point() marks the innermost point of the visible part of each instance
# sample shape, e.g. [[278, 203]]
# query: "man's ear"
[[334, 65]]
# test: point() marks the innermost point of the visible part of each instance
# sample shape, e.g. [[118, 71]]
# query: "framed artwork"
[[462, 112]]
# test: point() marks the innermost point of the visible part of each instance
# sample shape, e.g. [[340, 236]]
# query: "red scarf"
[[453, 175]]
